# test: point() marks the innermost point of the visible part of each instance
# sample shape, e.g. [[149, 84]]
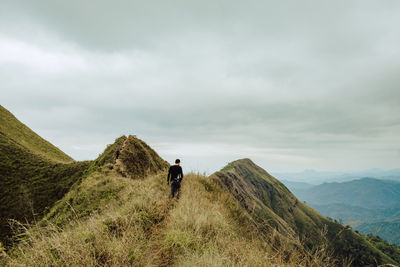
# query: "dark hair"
[[177, 160]]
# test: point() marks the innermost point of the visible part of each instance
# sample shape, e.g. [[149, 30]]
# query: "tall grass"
[[115, 235], [208, 228], [143, 227]]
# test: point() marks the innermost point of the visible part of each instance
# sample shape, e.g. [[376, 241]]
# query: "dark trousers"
[[175, 186]]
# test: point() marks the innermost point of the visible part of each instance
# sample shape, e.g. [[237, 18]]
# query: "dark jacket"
[[175, 173]]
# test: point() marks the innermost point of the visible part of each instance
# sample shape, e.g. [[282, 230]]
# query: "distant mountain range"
[[318, 177], [369, 205]]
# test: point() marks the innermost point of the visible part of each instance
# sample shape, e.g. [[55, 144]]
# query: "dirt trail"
[[118, 165], [156, 253]]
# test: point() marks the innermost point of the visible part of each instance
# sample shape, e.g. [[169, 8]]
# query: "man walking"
[[175, 175]]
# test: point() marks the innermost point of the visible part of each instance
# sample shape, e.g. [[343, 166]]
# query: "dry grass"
[[116, 236], [142, 227], [208, 228]]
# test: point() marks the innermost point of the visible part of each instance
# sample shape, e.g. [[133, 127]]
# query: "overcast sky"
[[292, 85]]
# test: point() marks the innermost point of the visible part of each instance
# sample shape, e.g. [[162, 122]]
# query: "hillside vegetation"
[[136, 161], [117, 212], [111, 220], [273, 206], [33, 174], [20, 134], [138, 225]]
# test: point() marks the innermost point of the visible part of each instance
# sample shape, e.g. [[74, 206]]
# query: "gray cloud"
[[293, 85]]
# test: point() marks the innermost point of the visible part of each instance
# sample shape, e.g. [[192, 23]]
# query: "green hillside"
[[112, 220], [136, 161], [33, 174], [389, 249], [273, 207], [30, 184], [118, 221], [18, 132]]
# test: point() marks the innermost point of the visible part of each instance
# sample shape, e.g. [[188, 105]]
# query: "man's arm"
[[181, 174], [169, 175]]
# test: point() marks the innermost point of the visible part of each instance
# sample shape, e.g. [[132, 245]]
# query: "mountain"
[[116, 211], [388, 229], [369, 205], [266, 198], [293, 185], [365, 192], [354, 215], [273, 206]]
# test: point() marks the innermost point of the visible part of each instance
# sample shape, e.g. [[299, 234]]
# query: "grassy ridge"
[[141, 226], [116, 212], [25, 137], [111, 220], [136, 159], [272, 206], [30, 184], [34, 174], [116, 233], [208, 227]]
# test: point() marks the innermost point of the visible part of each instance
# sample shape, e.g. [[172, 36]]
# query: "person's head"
[[177, 161]]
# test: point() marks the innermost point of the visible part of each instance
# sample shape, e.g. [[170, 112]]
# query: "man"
[[175, 175]]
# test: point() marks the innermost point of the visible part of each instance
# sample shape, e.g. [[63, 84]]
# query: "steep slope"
[[20, 134], [389, 249], [33, 174], [271, 204]]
